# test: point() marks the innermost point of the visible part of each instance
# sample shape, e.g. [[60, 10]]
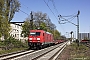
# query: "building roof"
[[17, 23]]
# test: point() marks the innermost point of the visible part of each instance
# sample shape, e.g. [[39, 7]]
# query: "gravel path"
[[65, 55]]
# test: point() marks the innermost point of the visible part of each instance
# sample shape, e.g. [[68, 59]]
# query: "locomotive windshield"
[[35, 33]]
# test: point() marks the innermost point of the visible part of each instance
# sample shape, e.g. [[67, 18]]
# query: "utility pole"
[[73, 24], [78, 26], [31, 21]]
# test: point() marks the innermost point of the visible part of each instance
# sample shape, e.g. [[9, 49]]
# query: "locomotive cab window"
[[35, 33]]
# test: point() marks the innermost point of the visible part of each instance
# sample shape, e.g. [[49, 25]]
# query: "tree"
[[26, 28], [11, 6], [8, 8], [7, 11], [43, 26], [56, 34], [4, 28], [42, 21], [63, 37], [39, 17]]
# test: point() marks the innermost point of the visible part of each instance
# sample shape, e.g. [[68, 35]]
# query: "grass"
[[12, 50], [79, 52]]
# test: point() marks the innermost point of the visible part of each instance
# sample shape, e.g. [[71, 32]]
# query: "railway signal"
[[31, 21]]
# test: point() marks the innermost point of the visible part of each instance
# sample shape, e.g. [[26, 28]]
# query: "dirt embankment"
[[75, 52]]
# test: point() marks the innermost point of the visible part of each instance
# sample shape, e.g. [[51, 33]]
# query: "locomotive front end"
[[34, 39]]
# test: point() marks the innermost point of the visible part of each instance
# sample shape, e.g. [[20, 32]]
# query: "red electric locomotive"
[[39, 39]]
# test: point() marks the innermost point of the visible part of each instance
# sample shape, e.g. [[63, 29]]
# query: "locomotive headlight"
[[38, 38], [30, 38]]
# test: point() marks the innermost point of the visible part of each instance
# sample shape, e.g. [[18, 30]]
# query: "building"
[[16, 30], [84, 36]]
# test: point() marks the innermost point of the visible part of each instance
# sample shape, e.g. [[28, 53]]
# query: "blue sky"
[[64, 8]]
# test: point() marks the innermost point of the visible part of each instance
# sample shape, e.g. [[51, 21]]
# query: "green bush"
[[1, 43], [11, 43]]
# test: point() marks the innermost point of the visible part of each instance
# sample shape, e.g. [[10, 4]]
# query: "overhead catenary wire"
[[57, 13], [25, 6], [70, 19], [53, 14], [54, 6], [74, 14], [50, 10], [48, 7], [24, 12]]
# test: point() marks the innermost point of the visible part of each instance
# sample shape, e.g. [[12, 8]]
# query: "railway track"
[[15, 54], [12, 53], [49, 53]]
